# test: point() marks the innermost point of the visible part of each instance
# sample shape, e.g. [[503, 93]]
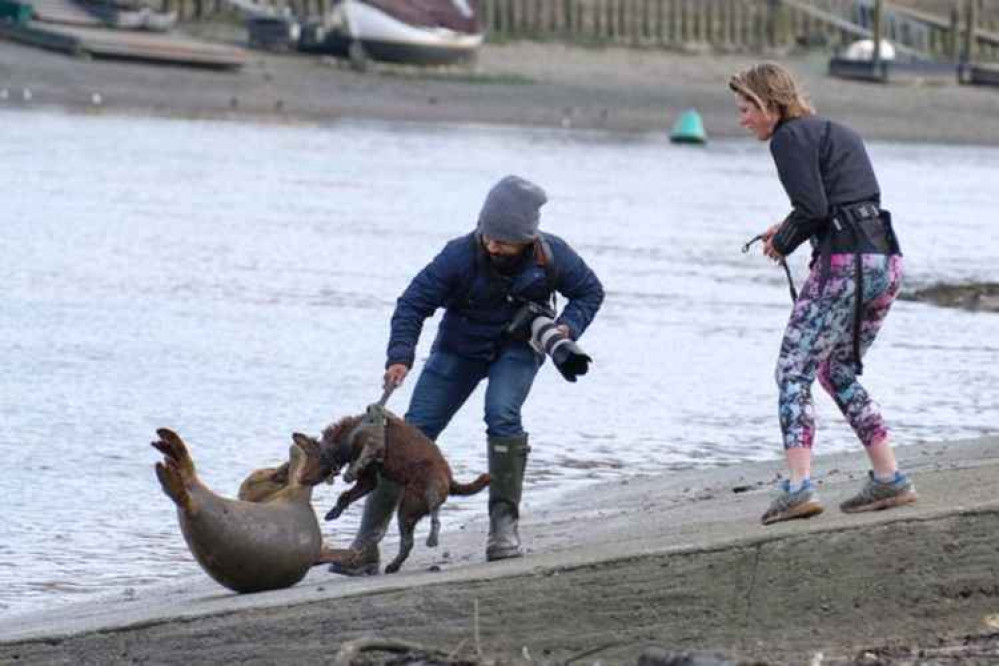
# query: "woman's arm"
[[796, 154]]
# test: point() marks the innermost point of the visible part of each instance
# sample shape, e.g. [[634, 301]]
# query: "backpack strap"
[[546, 258]]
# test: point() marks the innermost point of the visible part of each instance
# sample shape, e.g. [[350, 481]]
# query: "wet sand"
[[677, 560], [976, 297], [528, 84]]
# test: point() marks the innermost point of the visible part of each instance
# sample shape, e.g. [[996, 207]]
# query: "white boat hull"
[[386, 38]]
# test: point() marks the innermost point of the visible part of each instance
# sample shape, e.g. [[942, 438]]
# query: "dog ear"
[[307, 443]]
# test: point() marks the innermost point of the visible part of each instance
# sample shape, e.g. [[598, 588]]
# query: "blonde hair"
[[772, 87]]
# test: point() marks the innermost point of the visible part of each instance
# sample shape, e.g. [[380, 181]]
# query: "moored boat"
[[421, 32]]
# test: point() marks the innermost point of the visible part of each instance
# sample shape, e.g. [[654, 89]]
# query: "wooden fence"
[[720, 25], [739, 25]]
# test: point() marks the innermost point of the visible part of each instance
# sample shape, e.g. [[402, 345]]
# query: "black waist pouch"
[[868, 235]]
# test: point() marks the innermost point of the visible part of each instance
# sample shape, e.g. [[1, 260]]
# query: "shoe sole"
[[503, 555], [908, 497], [366, 570], [806, 510]]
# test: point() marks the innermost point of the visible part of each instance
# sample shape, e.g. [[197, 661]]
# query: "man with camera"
[[497, 286]]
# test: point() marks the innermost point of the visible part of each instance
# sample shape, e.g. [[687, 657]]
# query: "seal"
[[247, 546]]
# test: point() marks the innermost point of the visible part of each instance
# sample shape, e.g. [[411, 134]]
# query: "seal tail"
[[469, 488]]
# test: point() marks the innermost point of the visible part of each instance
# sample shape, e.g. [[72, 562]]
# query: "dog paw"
[[334, 513], [392, 568]]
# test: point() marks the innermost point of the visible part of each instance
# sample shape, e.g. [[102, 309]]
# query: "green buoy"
[[689, 128]]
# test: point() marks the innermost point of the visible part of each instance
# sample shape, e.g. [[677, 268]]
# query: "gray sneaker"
[[803, 503], [877, 495]]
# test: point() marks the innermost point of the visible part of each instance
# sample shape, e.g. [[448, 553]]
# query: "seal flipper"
[[172, 446], [176, 472], [173, 485]]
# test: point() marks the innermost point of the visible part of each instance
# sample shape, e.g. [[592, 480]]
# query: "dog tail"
[[469, 488]]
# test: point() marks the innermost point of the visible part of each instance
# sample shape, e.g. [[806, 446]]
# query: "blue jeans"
[[448, 379]]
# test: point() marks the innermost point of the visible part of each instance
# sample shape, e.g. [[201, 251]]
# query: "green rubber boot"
[[378, 510], [507, 461]]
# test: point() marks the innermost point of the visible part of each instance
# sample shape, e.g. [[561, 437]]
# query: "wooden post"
[[969, 33], [697, 21], [739, 24], [684, 21], [771, 23], [487, 15], [728, 22], [622, 20], [660, 19], [879, 8], [710, 20], [955, 33], [674, 22]]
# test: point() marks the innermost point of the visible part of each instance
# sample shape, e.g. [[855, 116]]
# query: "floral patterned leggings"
[[818, 341]]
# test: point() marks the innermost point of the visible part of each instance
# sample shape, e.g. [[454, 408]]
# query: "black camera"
[[534, 323]]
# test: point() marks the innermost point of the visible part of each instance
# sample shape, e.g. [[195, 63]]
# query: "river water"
[[235, 281]]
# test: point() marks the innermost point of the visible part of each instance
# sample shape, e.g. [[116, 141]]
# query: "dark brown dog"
[[409, 459]]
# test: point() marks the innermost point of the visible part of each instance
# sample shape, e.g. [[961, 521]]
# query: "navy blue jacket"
[[821, 165], [479, 302]]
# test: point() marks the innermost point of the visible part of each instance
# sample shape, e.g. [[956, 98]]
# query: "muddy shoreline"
[[974, 297], [679, 561], [515, 84]]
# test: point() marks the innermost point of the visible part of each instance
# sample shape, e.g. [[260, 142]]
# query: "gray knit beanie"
[[511, 211]]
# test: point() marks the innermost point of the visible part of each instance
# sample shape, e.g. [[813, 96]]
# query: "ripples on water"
[[235, 282]]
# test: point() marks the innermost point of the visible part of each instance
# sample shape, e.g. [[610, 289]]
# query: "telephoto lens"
[[568, 357]]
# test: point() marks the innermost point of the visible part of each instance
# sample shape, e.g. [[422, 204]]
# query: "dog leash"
[[375, 422], [386, 393], [782, 262]]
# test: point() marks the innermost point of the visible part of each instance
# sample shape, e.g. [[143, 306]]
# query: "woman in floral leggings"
[[856, 274]]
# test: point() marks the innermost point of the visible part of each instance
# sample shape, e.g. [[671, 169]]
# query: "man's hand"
[[395, 374]]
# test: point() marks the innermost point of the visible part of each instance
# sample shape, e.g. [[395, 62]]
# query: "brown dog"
[[409, 459]]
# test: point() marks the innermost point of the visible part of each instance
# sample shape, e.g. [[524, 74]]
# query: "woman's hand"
[[768, 243], [769, 233], [395, 374]]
